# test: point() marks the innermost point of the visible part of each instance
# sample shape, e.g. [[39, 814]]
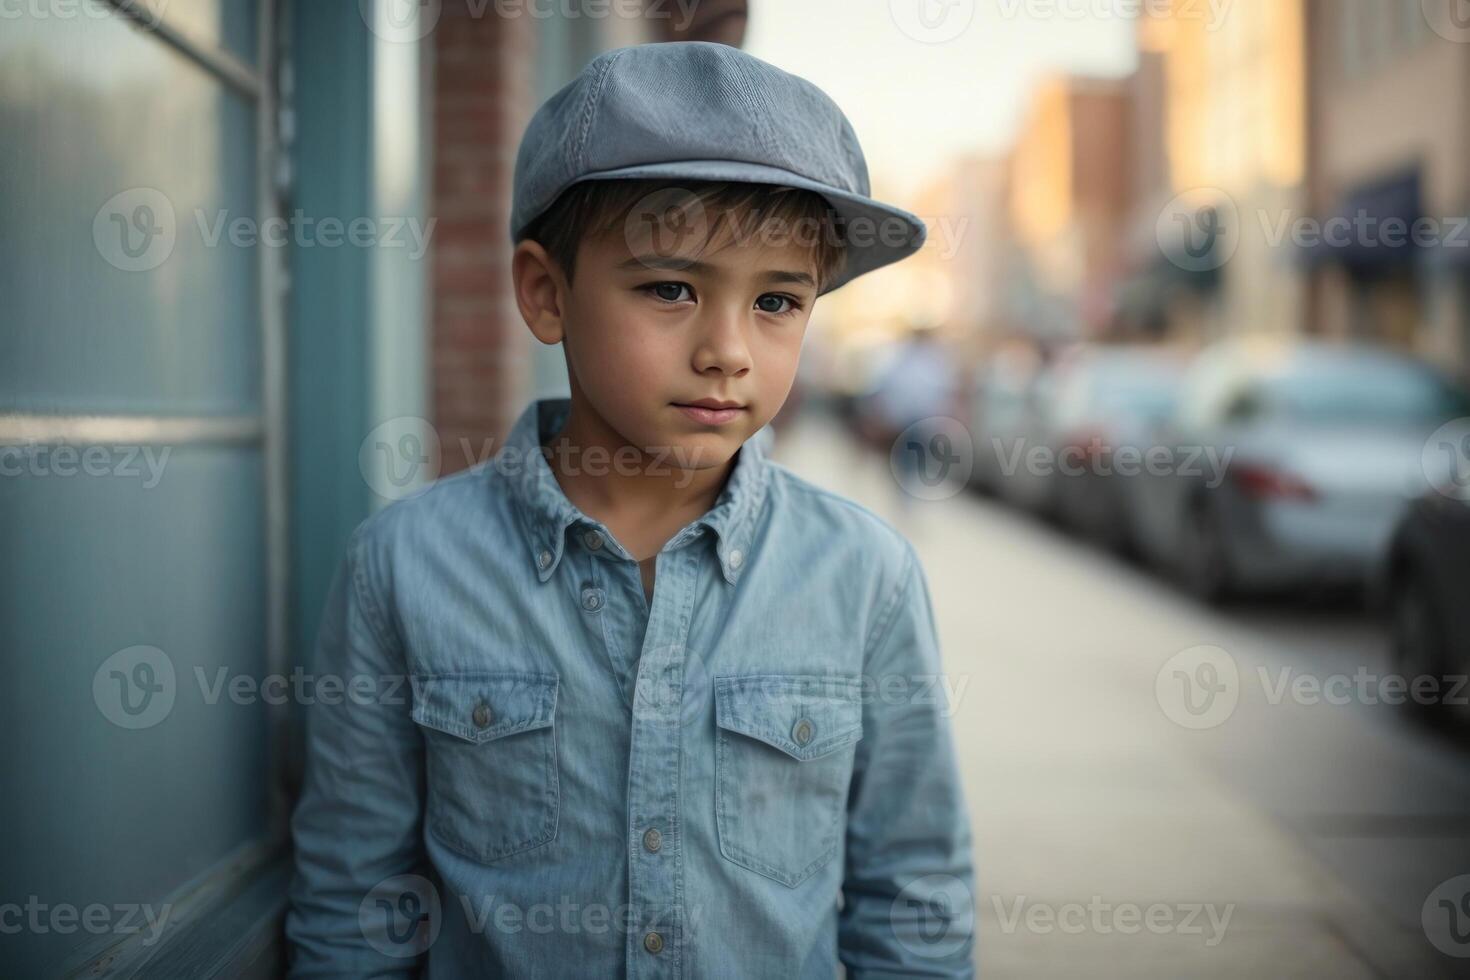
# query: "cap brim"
[[879, 234]]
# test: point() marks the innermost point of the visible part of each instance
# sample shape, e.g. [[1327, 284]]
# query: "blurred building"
[[983, 256], [1227, 102], [1068, 203], [1390, 142]]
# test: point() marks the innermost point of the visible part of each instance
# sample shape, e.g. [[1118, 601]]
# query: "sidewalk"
[[1105, 845]]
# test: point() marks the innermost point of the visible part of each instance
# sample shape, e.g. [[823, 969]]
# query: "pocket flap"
[[804, 715], [482, 707]]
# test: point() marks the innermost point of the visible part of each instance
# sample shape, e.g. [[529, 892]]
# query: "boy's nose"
[[722, 344]]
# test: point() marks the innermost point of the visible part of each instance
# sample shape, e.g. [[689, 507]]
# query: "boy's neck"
[[642, 509]]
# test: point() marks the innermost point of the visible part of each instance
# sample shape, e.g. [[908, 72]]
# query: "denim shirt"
[[535, 774]]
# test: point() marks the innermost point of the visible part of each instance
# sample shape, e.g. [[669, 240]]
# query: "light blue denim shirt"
[[755, 777]]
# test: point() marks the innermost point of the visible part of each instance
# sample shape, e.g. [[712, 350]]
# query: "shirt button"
[[653, 942], [652, 839], [593, 540], [481, 715], [803, 731], [592, 599], [544, 559], [736, 558]]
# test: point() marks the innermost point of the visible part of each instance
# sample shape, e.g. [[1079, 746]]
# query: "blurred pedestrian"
[[912, 404]]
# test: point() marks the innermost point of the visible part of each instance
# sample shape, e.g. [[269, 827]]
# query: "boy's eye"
[[667, 291], [771, 303]]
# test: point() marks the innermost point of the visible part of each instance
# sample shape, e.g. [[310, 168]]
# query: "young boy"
[[671, 711]]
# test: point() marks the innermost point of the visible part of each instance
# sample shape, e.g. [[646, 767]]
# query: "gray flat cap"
[[695, 110]]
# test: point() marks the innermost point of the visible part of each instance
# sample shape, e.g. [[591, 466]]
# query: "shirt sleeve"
[[908, 891], [356, 827]]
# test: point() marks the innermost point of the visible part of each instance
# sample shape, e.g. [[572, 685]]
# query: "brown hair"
[[765, 211]]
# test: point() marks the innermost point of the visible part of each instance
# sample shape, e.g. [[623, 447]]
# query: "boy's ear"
[[538, 285]]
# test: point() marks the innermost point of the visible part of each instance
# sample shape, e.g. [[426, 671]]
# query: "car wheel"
[[1202, 562], [1417, 639]]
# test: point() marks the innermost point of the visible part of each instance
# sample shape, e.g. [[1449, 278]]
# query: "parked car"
[[1107, 404], [1289, 464], [999, 400], [1423, 589]]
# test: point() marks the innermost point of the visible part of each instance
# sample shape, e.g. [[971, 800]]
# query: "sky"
[[917, 104]]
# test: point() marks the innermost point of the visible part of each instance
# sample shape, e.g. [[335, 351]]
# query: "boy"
[[672, 711]]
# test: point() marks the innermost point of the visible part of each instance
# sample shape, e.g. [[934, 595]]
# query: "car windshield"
[[1364, 392]]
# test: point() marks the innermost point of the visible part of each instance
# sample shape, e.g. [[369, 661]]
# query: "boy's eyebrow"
[[695, 267]]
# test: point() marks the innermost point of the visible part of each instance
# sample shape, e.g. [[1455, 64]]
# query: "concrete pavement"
[[1290, 839]]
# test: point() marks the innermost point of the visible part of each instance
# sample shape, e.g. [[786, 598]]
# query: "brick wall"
[[482, 99]]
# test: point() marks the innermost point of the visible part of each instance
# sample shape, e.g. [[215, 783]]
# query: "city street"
[[1122, 832]]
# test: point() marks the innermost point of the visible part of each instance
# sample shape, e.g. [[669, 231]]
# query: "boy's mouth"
[[710, 411]]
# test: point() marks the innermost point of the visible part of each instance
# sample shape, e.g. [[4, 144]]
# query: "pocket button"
[[481, 715], [803, 731]]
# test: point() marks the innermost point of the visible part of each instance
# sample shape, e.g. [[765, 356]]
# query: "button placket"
[[654, 753]]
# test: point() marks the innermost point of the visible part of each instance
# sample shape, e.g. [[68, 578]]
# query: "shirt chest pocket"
[[490, 742], [784, 747]]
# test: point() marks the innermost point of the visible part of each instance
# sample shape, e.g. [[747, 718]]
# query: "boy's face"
[[648, 335]]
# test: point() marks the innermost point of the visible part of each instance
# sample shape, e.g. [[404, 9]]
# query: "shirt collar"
[[545, 513]]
